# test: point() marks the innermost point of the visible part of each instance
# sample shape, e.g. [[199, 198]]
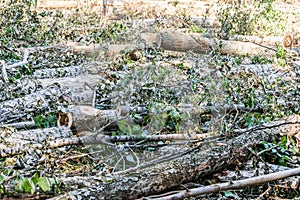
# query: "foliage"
[[127, 129], [235, 20], [30, 185], [280, 55], [273, 153], [250, 19], [196, 29], [21, 25], [112, 33], [256, 59], [45, 121], [9, 55], [163, 117], [256, 93]]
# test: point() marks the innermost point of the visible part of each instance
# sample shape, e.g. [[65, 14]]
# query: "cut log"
[[19, 142], [201, 22], [77, 90], [59, 72], [37, 135], [96, 49], [191, 167], [263, 40], [87, 118], [198, 44], [18, 88], [35, 103], [230, 185], [111, 50]]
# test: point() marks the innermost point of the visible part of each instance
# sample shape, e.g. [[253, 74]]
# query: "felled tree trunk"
[[17, 142], [11, 89], [200, 44], [187, 168], [263, 40], [87, 118], [19, 108], [95, 49], [113, 49], [77, 90], [59, 72]]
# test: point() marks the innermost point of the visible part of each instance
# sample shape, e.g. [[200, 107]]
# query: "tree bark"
[[263, 40], [113, 49], [15, 142], [77, 90], [58, 72], [21, 87], [229, 185], [15, 109], [87, 118], [191, 167], [199, 44]]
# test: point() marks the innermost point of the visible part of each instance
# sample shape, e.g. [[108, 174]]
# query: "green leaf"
[[52, 119], [137, 116], [44, 184], [2, 177], [122, 125], [228, 194], [28, 186], [136, 129], [35, 178]]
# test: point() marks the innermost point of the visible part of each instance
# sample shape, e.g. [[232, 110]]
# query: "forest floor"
[[87, 96]]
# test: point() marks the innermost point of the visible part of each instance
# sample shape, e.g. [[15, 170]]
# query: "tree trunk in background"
[[200, 44]]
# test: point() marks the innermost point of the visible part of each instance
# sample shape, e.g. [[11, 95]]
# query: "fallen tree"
[[200, 44], [185, 168], [15, 109], [78, 90], [227, 186], [237, 45]]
